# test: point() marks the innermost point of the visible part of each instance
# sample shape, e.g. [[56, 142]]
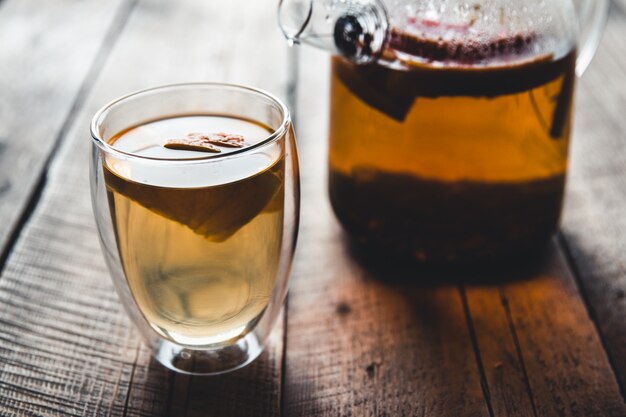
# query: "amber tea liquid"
[[200, 254], [451, 163]]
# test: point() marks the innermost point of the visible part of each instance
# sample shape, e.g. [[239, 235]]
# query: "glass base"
[[209, 361]]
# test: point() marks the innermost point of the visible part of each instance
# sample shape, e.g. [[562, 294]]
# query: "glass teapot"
[[450, 120]]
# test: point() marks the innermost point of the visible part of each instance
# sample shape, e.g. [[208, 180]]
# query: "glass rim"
[[275, 135]]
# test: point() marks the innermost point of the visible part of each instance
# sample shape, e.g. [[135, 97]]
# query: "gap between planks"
[[479, 362]]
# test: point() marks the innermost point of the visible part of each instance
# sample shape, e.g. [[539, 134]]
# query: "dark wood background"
[[352, 342]]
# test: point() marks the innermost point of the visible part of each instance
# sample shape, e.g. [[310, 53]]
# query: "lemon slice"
[[216, 212]]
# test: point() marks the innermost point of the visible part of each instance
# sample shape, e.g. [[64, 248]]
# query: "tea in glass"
[[200, 259]]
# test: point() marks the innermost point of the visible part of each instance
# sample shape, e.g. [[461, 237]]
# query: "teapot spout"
[[356, 29]]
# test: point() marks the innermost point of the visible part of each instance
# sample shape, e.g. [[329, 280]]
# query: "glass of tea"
[[196, 194]]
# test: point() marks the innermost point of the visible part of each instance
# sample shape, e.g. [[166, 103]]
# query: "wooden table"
[[547, 343]]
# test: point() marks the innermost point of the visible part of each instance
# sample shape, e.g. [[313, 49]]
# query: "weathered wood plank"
[[68, 348], [146, 393], [251, 391], [594, 224], [62, 357], [568, 370], [540, 348], [356, 344], [504, 370], [47, 52]]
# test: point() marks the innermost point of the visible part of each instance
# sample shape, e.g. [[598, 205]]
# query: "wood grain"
[[42, 81], [252, 391], [504, 369], [67, 347], [359, 342], [541, 351], [594, 224], [568, 370]]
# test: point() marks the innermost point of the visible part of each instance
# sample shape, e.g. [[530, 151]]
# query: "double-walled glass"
[[199, 248]]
